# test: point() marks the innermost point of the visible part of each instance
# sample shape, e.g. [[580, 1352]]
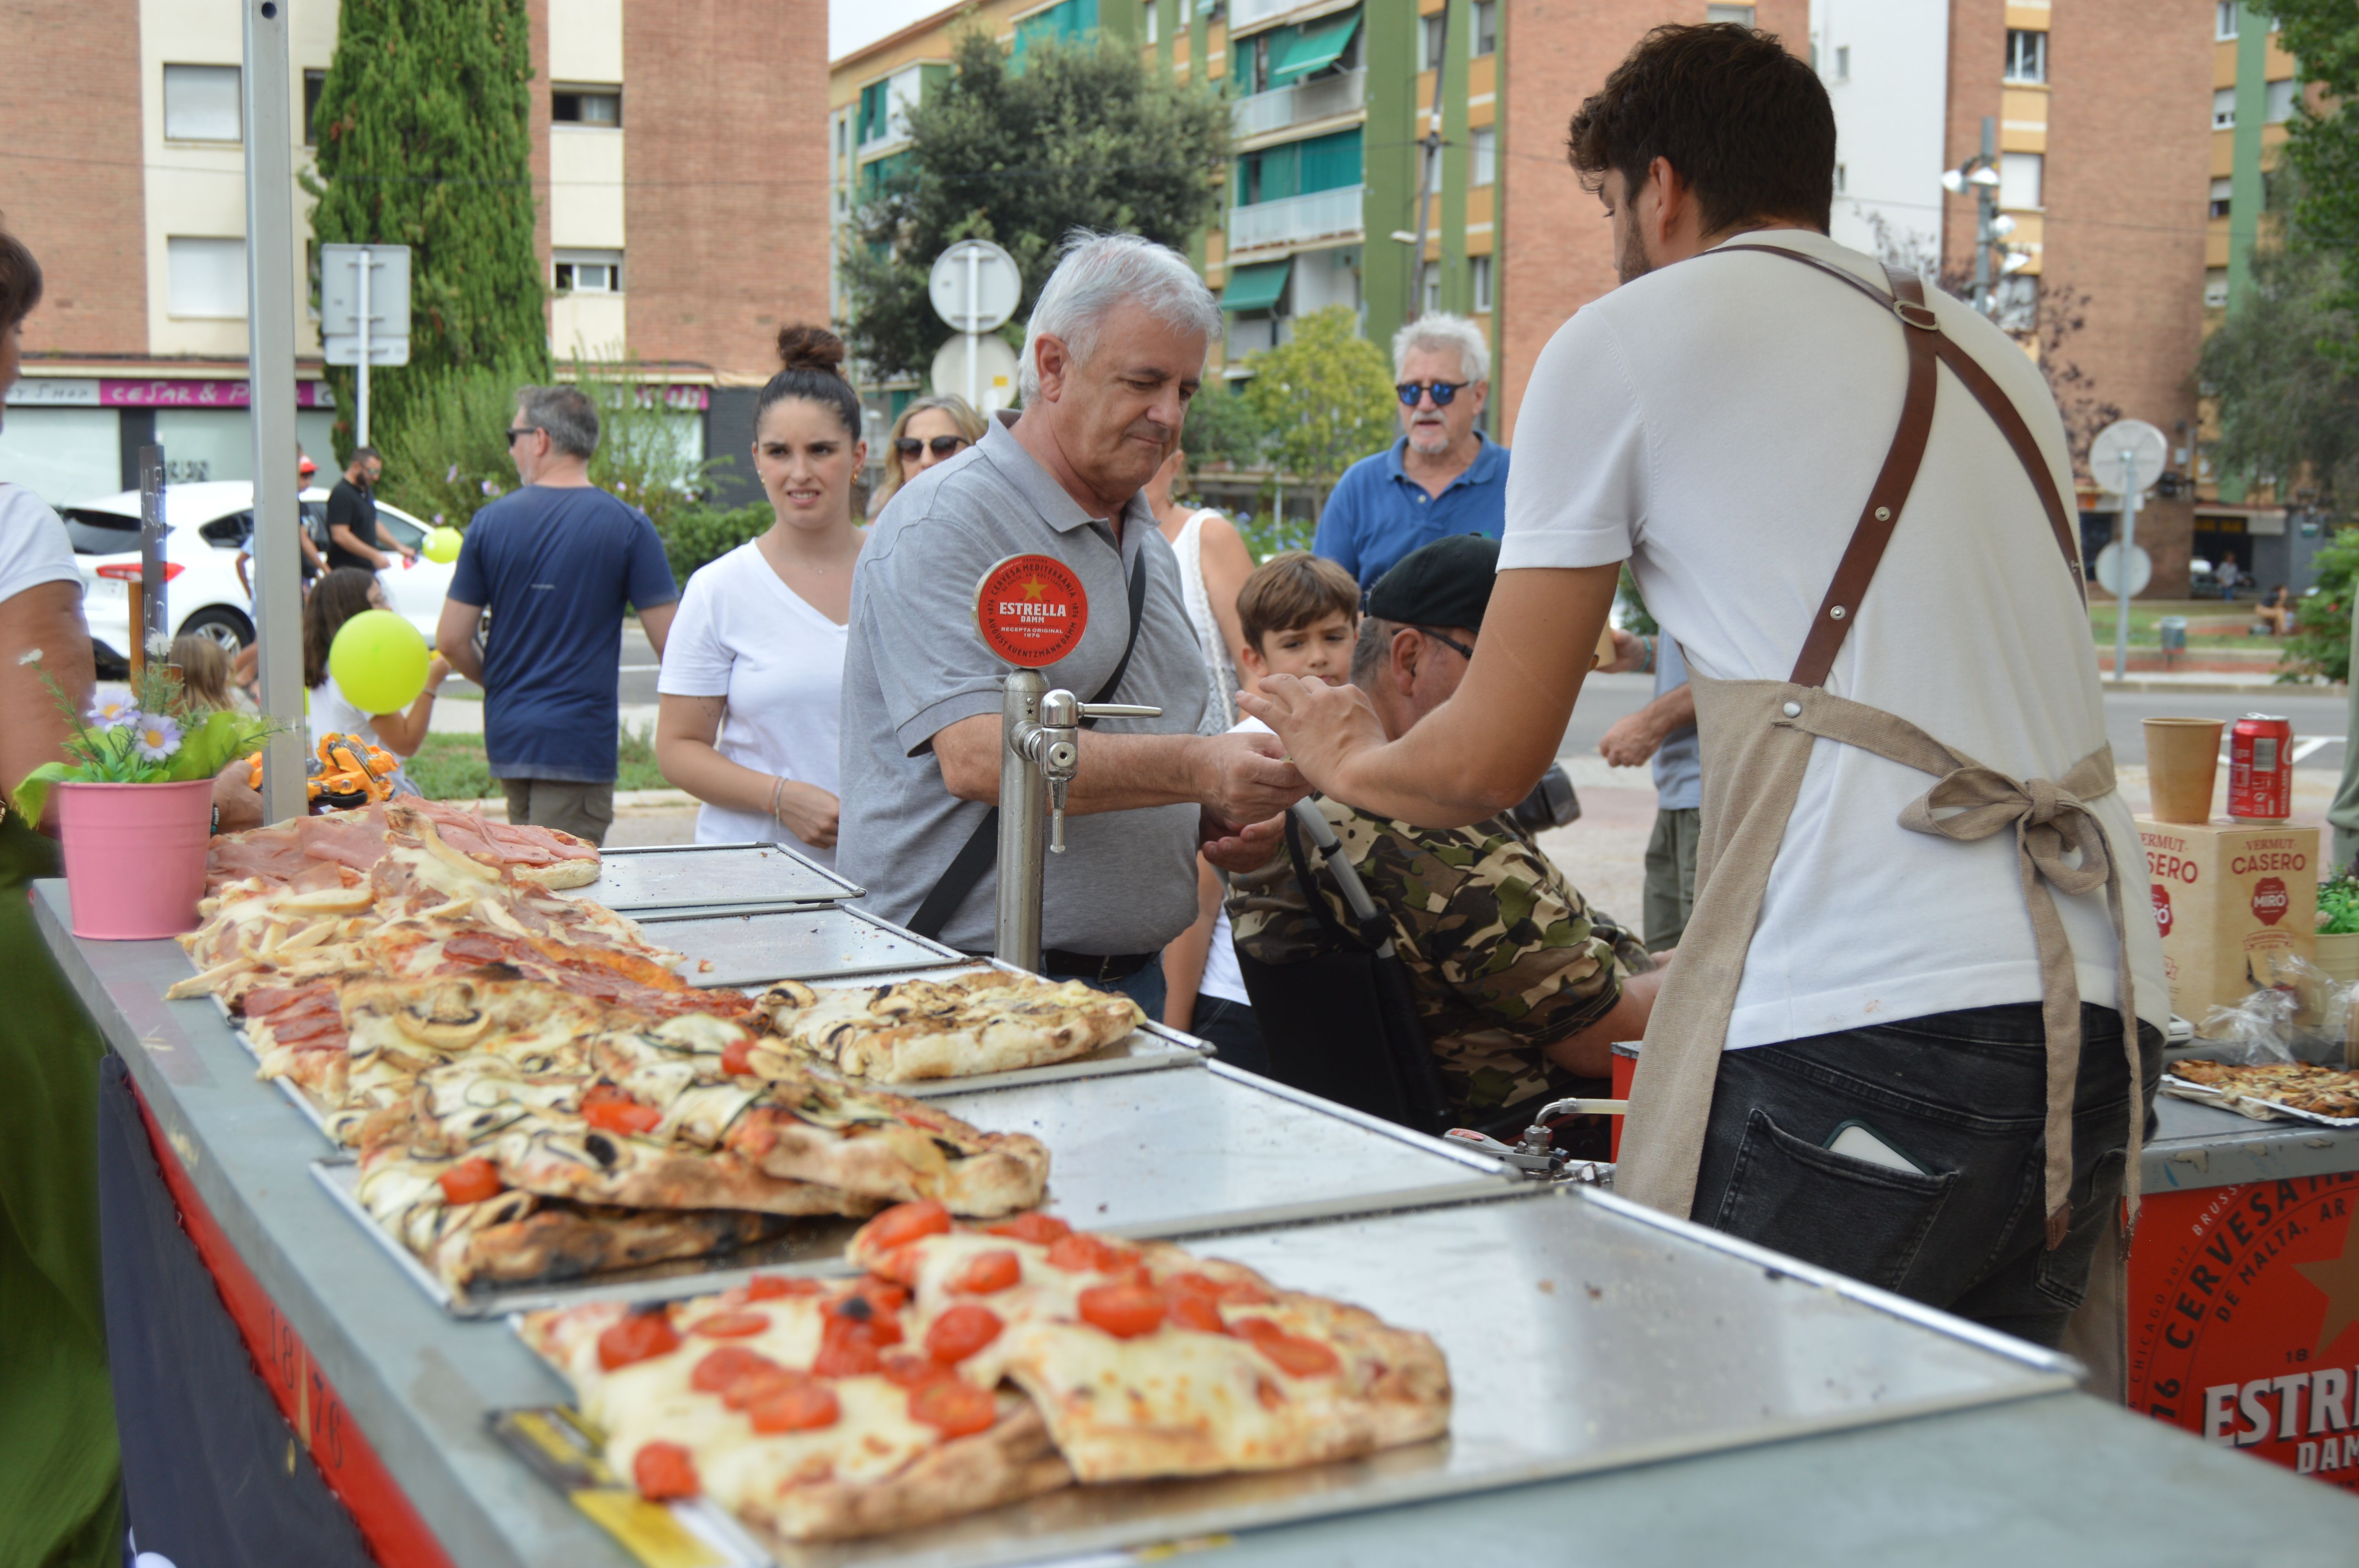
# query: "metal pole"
[[1428, 151], [2122, 563], [1987, 212], [152, 621], [271, 299], [1023, 848], [974, 338], [363, 428]]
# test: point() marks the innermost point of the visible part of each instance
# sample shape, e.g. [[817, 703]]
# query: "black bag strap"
[[982, 848]]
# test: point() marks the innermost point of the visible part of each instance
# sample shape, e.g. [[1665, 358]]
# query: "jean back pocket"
[[1864, 1220]]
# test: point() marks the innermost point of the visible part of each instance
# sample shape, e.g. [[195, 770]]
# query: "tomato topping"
[[636, 1338], [955, 1407], [800, 1407], [1033, 1226], [900, 1266], [736, 1057], [763, 1287], [725, 1368], [904, 1223], [845, 1358], [610, 1108], [1199, 1312], [664, 1471], [986, 1273], [1124, 1311], [873, 1297], [759, 1383], [904, 1371], [470, 1181], [849, 1343], [1296, 1356], [731, 1325], [961, 1331], [1082, 1253], [1244, 1293]]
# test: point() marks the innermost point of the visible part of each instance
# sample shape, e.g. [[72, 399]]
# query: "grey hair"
[[1374, 646], [1095, 272], [1438, 330], [565, 412]]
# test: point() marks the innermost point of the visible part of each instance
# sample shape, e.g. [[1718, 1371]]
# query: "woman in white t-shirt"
[[335, 600], [753, 671]]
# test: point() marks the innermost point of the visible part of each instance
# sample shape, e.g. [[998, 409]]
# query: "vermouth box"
[[2235, 900]]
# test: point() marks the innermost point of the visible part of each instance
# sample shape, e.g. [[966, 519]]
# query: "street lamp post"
[[1980, 173]]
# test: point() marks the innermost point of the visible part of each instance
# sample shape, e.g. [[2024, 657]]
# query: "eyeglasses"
[[514, 434], [910, 446], [1445, 393], [1452, 643]]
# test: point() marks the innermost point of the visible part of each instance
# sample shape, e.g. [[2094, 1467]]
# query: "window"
[[1487, 155], [1740, 14], [1842, 63], [314, 83], [576, 105], [200, 104], [2224, 109], [2027, 55], [2215, 281], [2220, 192], [842, 134], [1154, 20], [1432, 289], [1843, 178], [590, 272], [2223, 22], [1430, 33], [2283, 96], [205, 277], [1481, 268], [2019, 177], [1485, 15]]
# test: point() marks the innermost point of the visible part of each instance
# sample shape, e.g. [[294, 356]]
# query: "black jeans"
[[1231, 1025], [1963, 1095]]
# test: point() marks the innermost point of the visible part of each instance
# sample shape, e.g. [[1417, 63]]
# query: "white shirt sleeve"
[[696, 660], [34, 548], [1577, 491]]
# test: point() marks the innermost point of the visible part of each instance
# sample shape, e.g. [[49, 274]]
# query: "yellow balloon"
[[378, 661], [441, 544]]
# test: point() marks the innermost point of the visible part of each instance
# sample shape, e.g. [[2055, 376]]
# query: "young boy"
[[1300, 615]]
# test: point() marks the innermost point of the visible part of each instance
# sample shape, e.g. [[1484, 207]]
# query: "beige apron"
[[1757, 736]]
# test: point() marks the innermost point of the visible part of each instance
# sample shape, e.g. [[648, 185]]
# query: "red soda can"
[[2260, 768]]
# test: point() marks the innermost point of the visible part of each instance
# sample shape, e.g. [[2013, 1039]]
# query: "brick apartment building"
[[672, 223]]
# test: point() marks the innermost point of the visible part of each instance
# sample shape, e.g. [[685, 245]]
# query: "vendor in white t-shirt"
[[335, 598], [1856, 1047], [753, 673]]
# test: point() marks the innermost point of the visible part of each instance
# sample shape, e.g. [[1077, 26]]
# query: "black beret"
[[1446, 583]]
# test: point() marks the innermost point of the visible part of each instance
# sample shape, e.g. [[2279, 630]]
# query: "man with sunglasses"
[[1443, 477]]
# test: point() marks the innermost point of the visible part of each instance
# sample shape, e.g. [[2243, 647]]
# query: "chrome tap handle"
[[1115, 710]]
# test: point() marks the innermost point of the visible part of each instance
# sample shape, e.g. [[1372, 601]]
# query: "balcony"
[[1245, 14], [1322, 214], [1319, 98]]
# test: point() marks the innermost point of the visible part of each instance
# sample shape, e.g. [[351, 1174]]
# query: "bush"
[[695, 534], [2321, 644], [448, 455]]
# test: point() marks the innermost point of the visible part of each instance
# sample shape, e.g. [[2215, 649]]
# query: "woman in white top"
[[1214, 566], [336, 599], [752, 670]]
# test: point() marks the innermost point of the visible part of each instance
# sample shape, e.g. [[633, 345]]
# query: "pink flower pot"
[[135, 856]]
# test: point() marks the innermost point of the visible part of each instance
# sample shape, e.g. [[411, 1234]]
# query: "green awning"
[[1316, 46], [1255, 288]]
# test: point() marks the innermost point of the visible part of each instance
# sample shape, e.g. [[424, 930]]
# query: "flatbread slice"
[[909, 1030]]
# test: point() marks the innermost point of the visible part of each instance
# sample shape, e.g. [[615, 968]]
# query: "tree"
[[1080, 138], [425, 140], [1326, 399], [2284, 367], [1224, 426], [2322, 150]]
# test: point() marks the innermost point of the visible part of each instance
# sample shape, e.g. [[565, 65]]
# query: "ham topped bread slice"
[[282, 851]]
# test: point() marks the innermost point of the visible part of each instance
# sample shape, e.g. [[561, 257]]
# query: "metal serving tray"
[[758, 944], [1583, 1333], [1144, 1153], [687, 876]]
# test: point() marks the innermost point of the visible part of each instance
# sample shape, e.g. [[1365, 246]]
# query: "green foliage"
[[151, 734], [1266, 533], [2338, 907], [449, 456], [642, 448], [1224, 426], [2285, 368], [453, 767], [696, 534], [1085, 137], [2321, 644], [1326, 397], [424, 140], [1635, 618], [2323, 151]]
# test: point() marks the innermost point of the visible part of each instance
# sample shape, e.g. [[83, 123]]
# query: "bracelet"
[[1648, 667], [776, 785]]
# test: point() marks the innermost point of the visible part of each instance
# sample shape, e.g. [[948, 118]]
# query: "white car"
[[206, 525]]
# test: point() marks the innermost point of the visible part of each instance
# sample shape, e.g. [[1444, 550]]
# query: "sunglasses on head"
[[910, 446], [1445, 393]]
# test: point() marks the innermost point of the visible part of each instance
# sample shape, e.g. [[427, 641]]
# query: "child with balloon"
[[368, 670]]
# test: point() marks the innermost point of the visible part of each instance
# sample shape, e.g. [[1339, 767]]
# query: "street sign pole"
[[2129, 539], [363, 427], [973, 314], [270, 297], [148, 595]]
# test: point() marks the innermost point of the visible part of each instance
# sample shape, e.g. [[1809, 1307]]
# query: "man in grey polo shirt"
[[1114, 352]]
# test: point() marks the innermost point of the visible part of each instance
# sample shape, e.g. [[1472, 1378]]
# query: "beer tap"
[[1042, 729]]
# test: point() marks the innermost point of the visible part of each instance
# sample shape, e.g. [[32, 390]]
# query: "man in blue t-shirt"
[[1443, 477], [554, 563]]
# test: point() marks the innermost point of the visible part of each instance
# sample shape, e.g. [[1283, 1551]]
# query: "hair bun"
[[810, 348]]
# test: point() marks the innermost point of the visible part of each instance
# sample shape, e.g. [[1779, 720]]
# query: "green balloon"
[[379, 662], [441, 544]]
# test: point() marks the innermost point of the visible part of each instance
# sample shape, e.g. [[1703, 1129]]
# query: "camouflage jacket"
[[1504, 955]]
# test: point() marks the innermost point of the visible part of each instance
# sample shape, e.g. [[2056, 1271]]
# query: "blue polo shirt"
[[1377, 514]]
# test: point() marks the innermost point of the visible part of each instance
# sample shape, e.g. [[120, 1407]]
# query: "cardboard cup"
[[2183, 758]]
